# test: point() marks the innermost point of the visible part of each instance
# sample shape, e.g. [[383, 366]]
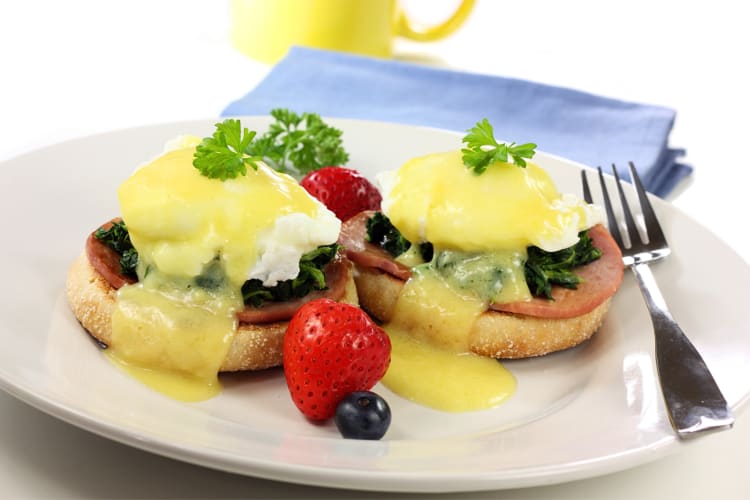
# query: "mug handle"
[[428, 34]]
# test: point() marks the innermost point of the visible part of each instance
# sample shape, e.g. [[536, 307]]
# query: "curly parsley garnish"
[[298, 144], [223, 155], [294, 144], [482, 149]]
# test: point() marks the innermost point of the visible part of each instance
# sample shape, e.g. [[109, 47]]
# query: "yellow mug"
[[265, 29]]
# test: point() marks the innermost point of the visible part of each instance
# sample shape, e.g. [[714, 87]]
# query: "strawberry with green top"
[[330, 350]]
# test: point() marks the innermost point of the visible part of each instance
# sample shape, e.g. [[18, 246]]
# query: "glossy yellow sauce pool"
[[445, 380], [182, 387]]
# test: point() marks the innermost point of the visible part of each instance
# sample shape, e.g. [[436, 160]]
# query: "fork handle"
[[692, 397]]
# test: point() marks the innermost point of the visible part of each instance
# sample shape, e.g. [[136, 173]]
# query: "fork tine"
[[633, 234], [586, 191], [653, 228], [614, 228]]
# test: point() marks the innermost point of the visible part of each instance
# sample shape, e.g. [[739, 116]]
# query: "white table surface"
[[74, 68]]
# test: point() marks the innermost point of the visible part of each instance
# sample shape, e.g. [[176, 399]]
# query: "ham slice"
[[601, 278], [107, 263], [354, 238]]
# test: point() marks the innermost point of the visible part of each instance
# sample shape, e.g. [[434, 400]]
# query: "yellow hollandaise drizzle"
[[433, 312], [430, 363], [181, 387], [444, 380], [173, 336]]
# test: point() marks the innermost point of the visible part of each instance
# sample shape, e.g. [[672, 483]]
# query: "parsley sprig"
[[299, 143], [224, 155], [482, 149], [295, 144]]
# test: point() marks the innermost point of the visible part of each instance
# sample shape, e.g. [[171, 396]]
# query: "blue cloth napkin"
[[590, 129]]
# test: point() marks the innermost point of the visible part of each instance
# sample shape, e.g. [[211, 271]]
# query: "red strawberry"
[[344, 191], [330, 350]]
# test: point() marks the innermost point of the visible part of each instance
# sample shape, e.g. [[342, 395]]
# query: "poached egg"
[[436, 198]]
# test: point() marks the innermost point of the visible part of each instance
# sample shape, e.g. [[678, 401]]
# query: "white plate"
[[585, 412]]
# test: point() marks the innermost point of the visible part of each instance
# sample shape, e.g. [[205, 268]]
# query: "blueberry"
[[363, 415]]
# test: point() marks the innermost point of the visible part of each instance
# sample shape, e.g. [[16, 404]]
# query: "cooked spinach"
[[383, 233], [544, 269], [310, 277], [117, 238]]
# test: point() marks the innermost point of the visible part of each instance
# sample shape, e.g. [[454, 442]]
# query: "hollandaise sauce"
[[173, 335], [198, 241], [442, 379], [435, 313]]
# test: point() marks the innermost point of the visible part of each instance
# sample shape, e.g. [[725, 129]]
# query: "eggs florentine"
[[480, 227], [198, 240]]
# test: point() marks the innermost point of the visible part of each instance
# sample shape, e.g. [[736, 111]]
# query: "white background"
[[75, 68]]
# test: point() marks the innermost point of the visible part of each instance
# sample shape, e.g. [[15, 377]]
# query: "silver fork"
[[693, 400]]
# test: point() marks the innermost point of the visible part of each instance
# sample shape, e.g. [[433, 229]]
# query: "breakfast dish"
[[524, 269], [208, 270], [602, 395], [219, 249]]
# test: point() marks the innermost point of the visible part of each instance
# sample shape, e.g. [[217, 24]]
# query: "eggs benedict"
[[213, 254], [490, 260]]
